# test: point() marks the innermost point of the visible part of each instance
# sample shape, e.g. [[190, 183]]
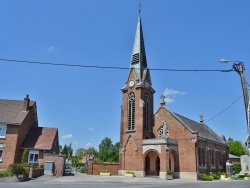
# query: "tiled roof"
[[203, 130], [11, 111], [40, 138]]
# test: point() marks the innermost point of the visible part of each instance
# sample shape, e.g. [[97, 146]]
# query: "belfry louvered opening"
[[131, 111], [139, 58]]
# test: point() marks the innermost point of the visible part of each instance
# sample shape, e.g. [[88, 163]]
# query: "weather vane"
[[139, 6]]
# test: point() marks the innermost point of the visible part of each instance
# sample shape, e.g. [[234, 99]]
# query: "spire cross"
[[139, 6]]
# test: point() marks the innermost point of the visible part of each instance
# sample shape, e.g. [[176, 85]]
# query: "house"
[[19, 130], [151, 143]]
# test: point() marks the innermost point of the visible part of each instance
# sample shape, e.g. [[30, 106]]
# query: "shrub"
[[24, 156], [215, 176], [81, 164], [237, 168], [104, 171], [168, 172], [129, 172], [223, 173], [4, 173], [40, 165], [207, 178], [84, 171], [18, 169]]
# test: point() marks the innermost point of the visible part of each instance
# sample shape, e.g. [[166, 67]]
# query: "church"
[[153, 142]]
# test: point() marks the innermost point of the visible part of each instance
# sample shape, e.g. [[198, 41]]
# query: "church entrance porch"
[[152, 164]]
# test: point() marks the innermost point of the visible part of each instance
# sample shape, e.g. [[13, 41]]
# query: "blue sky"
[[84, 103]]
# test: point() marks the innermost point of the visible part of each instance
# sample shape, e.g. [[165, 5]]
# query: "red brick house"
[[19, 130], [152, 143]]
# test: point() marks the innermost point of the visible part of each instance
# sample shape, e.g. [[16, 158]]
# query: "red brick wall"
[[23, 130], [35, 172], [95, 168], [59, 161], [9, 141]]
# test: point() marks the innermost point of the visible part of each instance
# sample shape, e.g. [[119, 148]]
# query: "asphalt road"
[[80, 181]]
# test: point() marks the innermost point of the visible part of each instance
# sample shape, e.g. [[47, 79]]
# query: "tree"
[[115, 152], [236, 147], [92, 152], [80, 153], [68, 151], [107, 151]]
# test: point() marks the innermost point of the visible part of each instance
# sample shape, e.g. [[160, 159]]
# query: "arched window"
[[203, 157], [220, 159], [146, 112], [212, 158], [199, 157], [131, 111]]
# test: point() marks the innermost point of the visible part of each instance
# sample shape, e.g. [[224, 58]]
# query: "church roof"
[[203, 130]]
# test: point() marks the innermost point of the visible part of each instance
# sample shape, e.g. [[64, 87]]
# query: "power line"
[[224, 109], [109, 67], [124, 68]]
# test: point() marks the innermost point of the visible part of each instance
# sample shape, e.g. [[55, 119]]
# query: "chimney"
[[201, 119], [26, 103]]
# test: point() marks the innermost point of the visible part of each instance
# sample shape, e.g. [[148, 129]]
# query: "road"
[[79, 181]]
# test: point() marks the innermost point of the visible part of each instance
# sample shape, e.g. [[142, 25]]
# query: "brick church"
[[153, 142]]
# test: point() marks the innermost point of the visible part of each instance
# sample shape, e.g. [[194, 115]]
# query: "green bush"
[[104, 171], [84, 171], [18, 169], [40, 166], [81, 164], [205, 177], [4, 173], [129, 172], [168, 172], [215, 176], [237, 168]]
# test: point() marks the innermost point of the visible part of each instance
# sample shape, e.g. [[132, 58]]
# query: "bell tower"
[[137, 116]]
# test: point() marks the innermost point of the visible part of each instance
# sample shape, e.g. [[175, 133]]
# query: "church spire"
[[139, 60]]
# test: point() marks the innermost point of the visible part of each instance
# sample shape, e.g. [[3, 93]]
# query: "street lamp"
[[238, 66]]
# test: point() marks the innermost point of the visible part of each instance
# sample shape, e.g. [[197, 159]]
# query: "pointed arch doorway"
[[152, 164]]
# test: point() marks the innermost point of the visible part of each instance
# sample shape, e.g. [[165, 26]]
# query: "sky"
[[84, 103]]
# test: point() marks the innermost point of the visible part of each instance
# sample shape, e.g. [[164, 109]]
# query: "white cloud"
[[88, 144], [51, 49], [67, 136], [90, 129], [169, 100], [170, 94]]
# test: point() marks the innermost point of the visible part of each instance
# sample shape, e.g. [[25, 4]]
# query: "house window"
[[1, 153], [3, 129], [33, 156], [146, 112], [131, 111]]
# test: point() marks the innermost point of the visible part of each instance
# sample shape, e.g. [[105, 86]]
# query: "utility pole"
[[239, 67]]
